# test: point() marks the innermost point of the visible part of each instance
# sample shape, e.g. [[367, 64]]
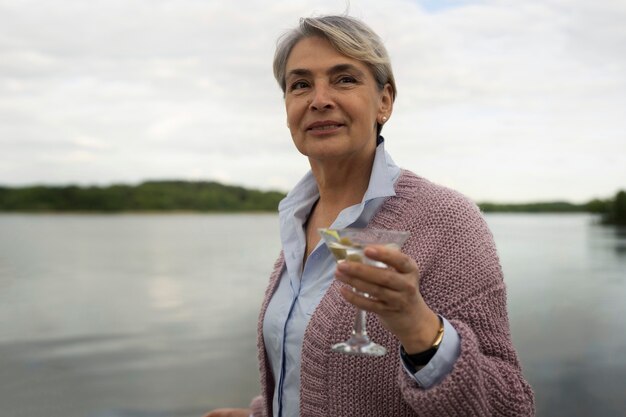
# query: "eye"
[[346, 79], [298, 85]]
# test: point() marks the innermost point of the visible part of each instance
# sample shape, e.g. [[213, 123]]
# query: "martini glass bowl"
[[348, 245]]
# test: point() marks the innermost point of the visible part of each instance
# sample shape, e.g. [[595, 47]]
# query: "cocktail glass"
[[349, 244]]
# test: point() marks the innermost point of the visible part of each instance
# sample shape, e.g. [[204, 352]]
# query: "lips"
[[324, 125]]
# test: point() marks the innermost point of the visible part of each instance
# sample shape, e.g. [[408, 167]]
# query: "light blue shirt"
[[302, 287]]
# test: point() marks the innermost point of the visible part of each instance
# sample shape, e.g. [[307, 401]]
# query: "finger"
[[382, 277], [380, 293], [363, 302], [392, 257]]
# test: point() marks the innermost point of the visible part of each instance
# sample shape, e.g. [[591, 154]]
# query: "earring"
[[384, 119]]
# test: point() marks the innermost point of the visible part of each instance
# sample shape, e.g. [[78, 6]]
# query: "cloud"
[[502, 100]]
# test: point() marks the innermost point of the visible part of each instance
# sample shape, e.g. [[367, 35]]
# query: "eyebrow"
[[332, 70]]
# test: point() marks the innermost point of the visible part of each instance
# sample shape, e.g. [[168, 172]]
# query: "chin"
[[321, 146]]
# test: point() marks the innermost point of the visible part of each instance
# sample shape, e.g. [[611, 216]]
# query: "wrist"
[[425, 336]]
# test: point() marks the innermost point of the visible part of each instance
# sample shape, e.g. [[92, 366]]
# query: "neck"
[[342, 183]]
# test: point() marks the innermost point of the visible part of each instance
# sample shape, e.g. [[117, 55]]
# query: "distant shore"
[[151, 196], [154, 197]]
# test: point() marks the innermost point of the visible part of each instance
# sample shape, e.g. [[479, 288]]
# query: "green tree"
[[616, 213], [597, 206]]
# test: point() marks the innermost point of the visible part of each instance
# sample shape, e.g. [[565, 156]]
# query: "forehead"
[[318, 54]]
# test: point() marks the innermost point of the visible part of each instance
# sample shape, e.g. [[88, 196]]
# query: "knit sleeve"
[[258, 407], [463, 282]]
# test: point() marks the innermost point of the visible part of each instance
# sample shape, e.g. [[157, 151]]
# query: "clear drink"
[[352, 252]]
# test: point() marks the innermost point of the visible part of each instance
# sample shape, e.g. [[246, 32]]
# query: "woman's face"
[[332, 102]]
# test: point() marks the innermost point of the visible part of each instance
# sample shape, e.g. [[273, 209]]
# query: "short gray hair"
[[349, 36]]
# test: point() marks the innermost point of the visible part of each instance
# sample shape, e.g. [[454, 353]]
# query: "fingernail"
[[371, 251]]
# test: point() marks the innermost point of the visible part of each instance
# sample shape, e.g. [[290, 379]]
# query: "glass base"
[[359, 346]]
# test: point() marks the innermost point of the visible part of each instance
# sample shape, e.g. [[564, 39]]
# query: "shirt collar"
[[383, 176]]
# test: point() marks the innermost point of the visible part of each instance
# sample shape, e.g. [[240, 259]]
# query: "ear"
[[385, 107]]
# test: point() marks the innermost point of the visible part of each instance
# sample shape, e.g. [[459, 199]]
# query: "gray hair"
[[349, 36]]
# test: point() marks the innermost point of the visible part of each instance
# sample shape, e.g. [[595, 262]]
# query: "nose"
[[322, 98]]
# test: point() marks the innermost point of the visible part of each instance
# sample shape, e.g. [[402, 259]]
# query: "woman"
[[440, 306]]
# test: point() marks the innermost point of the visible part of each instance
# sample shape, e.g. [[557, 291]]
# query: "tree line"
[[611, 210], [148, 196], [209, 196]]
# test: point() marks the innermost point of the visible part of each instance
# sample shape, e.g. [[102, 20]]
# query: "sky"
[[502, 100]]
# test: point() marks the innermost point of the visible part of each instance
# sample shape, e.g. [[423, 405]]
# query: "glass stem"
[[359, 324]]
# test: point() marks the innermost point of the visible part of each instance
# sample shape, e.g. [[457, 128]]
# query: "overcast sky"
[[501, 100]]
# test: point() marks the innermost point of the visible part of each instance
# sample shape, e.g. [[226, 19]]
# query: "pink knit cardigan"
[[461, 279]]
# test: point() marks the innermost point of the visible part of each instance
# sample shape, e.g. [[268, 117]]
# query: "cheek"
[[293, 120], [293, 113]]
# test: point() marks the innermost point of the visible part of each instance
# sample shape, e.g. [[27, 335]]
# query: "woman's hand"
[[230, 412], [393, 295]]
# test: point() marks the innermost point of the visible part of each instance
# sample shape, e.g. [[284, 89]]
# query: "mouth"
[[324, 126]]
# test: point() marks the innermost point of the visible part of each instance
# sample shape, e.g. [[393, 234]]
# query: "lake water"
[[155, 315]]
